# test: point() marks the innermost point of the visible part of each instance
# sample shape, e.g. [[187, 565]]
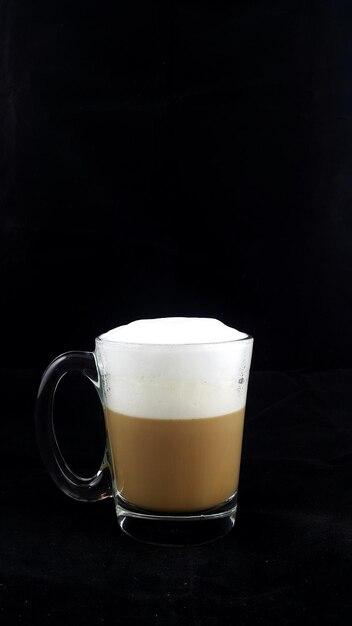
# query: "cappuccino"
[[174, 394]]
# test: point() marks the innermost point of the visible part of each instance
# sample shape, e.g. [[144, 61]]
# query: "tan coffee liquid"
[[176, 465]]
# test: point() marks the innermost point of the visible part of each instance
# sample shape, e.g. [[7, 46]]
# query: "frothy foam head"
[[174, 368], [174, 330]]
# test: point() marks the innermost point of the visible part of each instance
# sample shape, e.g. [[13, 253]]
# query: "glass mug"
[[174, 415]]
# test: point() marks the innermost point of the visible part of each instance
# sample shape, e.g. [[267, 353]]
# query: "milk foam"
[[171, 330], [174, 368]]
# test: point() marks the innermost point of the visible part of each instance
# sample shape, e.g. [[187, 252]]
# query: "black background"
[[180, 158]]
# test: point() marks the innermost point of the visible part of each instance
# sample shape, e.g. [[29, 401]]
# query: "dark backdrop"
[[177, 158]]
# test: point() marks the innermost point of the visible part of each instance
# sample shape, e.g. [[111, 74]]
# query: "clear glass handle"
[[87, 489]]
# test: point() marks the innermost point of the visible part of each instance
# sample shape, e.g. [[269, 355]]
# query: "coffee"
[[174, 392], [175, 465]]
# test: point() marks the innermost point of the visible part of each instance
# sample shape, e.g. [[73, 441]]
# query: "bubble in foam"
[[174, 330], [174, 368]]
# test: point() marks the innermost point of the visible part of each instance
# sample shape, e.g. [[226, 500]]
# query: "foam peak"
[[174, 330]]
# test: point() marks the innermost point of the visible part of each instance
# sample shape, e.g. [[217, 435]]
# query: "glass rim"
[[133, 344]]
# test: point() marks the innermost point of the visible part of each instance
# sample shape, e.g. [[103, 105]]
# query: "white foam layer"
[[171, 330], [196, 367]]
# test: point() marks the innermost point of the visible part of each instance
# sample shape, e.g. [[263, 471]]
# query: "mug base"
[[178, 530]]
